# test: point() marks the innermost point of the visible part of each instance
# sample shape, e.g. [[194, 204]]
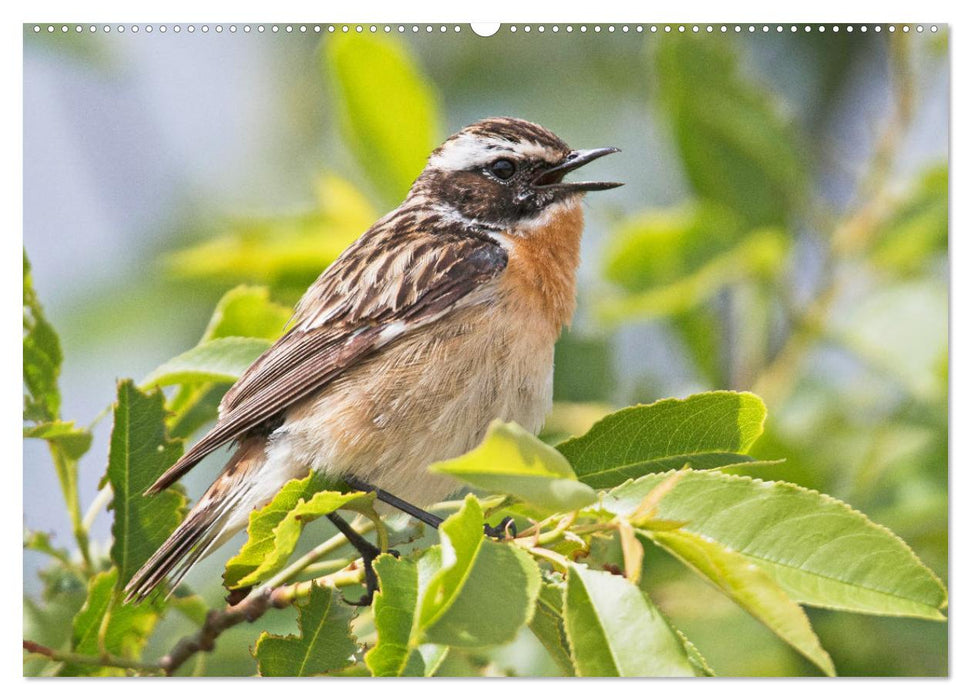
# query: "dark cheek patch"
[[474, 195], [479, 197]]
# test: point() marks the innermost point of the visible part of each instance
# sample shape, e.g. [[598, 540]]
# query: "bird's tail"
[[245, 483]]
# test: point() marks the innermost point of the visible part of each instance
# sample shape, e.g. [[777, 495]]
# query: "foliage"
[[103, 627], [476, 574], [820, 550], [42, 358], [615, 630], [704, 432], [620, 512], [325, 643], [273, 530], [285, 251], [749, 586], [42, 404], [918, 228], [735, 146], [734, 531], [140, 452], [376, 81], [510, 460]]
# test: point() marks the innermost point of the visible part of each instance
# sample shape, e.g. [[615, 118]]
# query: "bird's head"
[[502, 171]]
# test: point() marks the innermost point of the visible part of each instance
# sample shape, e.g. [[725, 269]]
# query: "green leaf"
[[615, 630], [549, 627], [377, 83], [262, 524], [818, 549], [759, 254], [512, 461], [286, 251], [219, 360], [477, 574], [286, 534], [42, 358], [671, 262], [64, 435], [242, 326], [125, 632], [247, 312], [694, 656], [394, 608], [700, 331], [274, 529], [399, 651], [325, 643], [704, 431], [736, 147], [140, 452], [745, 583]]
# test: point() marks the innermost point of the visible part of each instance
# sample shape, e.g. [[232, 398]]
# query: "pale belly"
[[425, 399]]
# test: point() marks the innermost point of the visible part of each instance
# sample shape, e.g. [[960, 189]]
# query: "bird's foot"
[[370, 578], [368, 552], [505, 528]]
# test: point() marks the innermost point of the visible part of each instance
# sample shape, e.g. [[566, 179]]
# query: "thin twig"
[[327, 566], [315, 554], [85, 660], [68, 477], [99, 503]]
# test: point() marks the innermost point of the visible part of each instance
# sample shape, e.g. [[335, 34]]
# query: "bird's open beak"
[[552, 179]]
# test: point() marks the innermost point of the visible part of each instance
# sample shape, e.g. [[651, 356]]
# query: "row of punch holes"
[[481, 30]]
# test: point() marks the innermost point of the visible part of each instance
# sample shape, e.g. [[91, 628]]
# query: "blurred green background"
[[783, 230]]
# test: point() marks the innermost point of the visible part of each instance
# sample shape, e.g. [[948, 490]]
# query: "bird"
[[439, 319]]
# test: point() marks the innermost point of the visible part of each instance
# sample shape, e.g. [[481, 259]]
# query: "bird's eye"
[[503, 168]]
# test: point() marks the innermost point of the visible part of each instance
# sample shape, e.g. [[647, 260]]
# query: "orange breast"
[[543, 261]]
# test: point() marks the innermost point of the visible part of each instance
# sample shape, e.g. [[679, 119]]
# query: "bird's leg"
[[498, 532], [368, 554], [395, 502]]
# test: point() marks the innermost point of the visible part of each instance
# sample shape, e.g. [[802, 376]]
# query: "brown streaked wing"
[[359, 322]]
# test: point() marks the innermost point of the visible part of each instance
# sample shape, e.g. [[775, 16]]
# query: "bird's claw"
[[506, 527], [370, 580], [362, 602]]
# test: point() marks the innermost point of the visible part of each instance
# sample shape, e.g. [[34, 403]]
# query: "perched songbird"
[[440, 318]]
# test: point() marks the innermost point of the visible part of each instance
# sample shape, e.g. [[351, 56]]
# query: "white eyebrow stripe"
[[468, 151]]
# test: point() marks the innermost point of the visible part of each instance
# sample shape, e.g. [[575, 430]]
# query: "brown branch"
[[217, 622], [249, 609]]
